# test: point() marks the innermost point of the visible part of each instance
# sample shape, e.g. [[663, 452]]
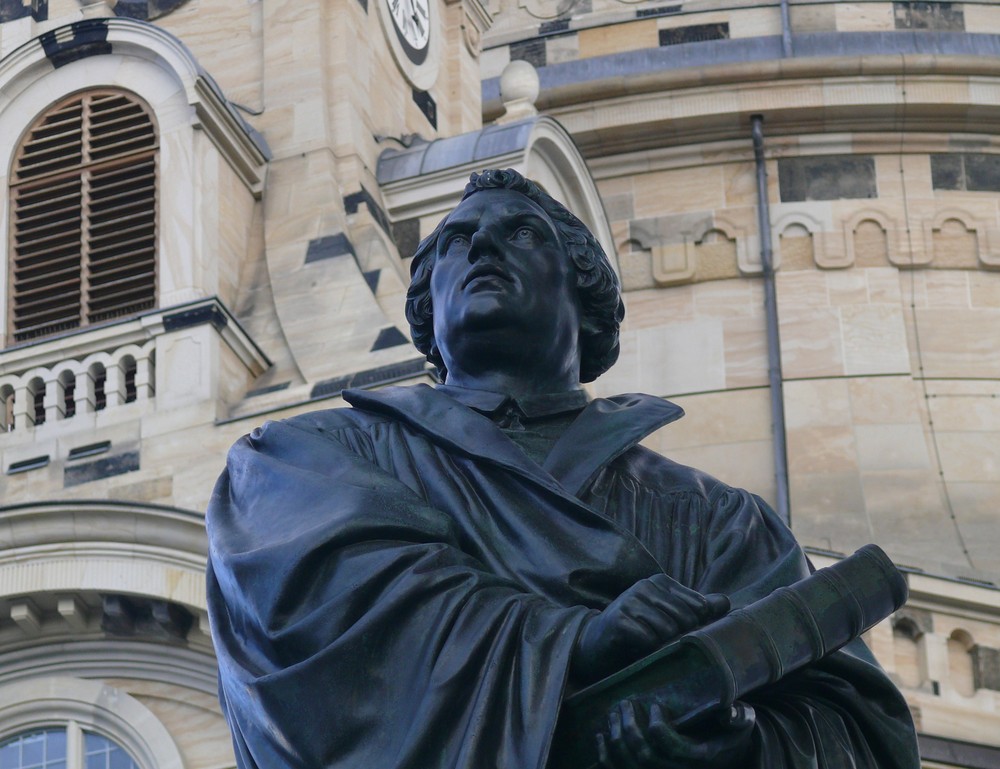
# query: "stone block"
[[813, 18], [966, 411], [562, 48], [864, 17], [811, 343], [874, 340], [947, 289], [828, 510], [883, 285], [847, 287], [682, 358], [615, 38], [960, 343], [739, 184], [754, 22], [983, 19], [795, 250], [801, 290], [645, 309], [745, 341], [822, 450], [817, 403], [984, 289], [972, 457], [717, 418], [893, 447], [728, 298], [700, 189], [885, 400]]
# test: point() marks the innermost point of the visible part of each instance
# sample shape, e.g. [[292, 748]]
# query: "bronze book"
[[710, 668]]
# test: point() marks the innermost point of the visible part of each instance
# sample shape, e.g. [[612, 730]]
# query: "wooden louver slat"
[[83, 215]]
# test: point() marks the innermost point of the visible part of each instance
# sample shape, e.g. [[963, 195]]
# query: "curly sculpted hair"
[[596, 283]]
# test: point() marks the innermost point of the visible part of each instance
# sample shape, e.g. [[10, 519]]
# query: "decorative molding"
[[104, 546], [192, 668], [675, 261], [883, 220], [978, 227], [815, 229]]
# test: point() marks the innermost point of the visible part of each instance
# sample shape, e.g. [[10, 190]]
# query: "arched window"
[[83, 215], [66, 747], [61, 722]]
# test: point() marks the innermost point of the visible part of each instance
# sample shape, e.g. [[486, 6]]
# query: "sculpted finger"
[[718, 605], [676, 617], [603, 760], [668, 743], [656, 627], [688, 607], [618, 750], [634, 735]]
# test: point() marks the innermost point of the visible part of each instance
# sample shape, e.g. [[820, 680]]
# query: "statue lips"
[[485, 270]]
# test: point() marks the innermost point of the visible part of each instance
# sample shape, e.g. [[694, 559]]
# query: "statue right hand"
[[650, 614]]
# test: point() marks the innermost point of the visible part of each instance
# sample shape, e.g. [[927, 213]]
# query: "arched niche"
[[961, 676], [909, 655], [956, 239], [211, 164]]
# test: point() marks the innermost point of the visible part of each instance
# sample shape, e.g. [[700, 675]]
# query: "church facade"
[[208, 215]]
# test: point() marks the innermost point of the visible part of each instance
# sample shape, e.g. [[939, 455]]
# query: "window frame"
[[85, 170]]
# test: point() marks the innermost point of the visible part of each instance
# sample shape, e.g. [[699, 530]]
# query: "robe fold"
[[398, 586]]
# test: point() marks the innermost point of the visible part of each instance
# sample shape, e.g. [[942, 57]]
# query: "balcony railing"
[[71, 387]]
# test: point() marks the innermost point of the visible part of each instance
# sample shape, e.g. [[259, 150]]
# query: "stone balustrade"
[[75, 386]]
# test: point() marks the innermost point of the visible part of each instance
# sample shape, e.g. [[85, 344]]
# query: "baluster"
[[84, 393]]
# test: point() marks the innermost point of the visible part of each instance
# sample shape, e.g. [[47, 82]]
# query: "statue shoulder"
[[659, 473]]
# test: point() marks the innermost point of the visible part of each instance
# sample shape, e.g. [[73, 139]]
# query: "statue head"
[[597, 291]]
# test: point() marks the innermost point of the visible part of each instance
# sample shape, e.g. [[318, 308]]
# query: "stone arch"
[[960, 663], [37, 703], [144, 60], [909, 655], [955, 239], [800, 226]]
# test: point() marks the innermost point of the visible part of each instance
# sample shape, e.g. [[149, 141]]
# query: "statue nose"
[[484, 243]]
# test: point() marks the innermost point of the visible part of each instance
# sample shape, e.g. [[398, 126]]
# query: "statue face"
[[501, 266]]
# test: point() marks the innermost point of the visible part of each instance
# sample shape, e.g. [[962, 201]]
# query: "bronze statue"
[[420, 581]]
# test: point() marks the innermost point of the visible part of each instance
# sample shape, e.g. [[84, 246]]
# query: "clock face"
[[412, 20]]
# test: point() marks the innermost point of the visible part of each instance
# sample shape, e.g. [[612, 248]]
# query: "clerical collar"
[[531, 406]]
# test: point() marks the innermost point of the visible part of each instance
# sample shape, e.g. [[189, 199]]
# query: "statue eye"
[[459, 240], [525, 235]]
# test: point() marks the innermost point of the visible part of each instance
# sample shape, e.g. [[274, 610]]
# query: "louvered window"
[[83, 215]]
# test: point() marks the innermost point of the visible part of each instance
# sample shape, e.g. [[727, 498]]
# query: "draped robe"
[[398, 586]]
